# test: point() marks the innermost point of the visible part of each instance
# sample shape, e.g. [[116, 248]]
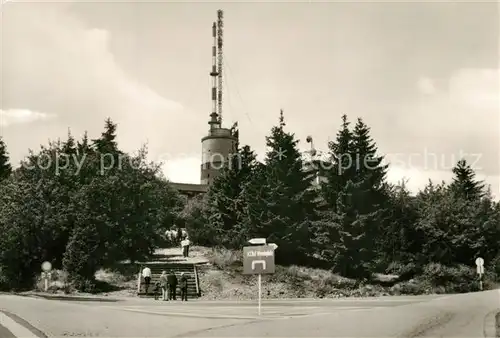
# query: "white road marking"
[[187, 314], [16, 329], [344, 299], [237, 312]]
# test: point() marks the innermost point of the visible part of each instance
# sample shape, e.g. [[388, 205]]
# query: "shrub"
[[455, 279], [395, 268], [415, 287], [58, 282], [224, 258]]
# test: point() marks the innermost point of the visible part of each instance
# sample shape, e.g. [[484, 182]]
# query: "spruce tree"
[[225, 207], [107, 142], [5, 167], [465, 183], [355, 192], [399, 240], [106, 152], [338, 172], [341, 166], [69, 146], [368, 164], [83, 146], [370, 174], [290, 200]]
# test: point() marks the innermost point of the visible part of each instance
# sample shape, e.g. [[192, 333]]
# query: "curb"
[[71, 298]]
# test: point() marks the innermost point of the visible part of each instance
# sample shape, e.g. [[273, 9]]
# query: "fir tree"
[[225, 207], [5, 167], [370, 181], [465, 183], [107, 142], [290, 200], [106, 147], [342, 240], [368, 164], [355, 191], [340, 169], [83, 146], [69, 146], [399, 240]]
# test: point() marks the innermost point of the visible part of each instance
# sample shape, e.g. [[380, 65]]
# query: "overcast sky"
[[424, 76]]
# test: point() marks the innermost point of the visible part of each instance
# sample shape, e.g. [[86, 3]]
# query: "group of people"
[[167, 284], [183, 236]]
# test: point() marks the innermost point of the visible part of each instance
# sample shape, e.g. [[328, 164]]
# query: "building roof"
[[189, 187]]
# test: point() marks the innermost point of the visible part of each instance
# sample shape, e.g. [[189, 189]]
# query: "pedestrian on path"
[[185, 247], [146, 273], [183, 284], [172, 285], [164, 285]]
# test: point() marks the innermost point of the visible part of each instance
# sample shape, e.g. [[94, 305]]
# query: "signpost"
[[254, 241], [259, 260], [480, 271], [46, 268]]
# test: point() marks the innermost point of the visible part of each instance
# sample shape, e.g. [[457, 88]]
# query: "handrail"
[[139, 281], [196, 281]]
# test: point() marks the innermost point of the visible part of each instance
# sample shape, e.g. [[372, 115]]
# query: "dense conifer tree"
[[465, 183], [341, 164], [224, 210], [290, 200]]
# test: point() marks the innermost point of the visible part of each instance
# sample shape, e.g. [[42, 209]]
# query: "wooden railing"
[[139, 275], [196, 280]]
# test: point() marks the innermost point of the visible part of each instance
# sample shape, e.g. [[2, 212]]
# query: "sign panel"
[[46, 266], [258, 260], [273, 245], [254, 241], [479, 261], [480, 269]]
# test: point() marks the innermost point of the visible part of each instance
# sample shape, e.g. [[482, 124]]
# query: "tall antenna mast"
[[214, 120], [220, 26]]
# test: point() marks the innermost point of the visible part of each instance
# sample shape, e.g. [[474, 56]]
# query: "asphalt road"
[[5, 333], [469, 315]]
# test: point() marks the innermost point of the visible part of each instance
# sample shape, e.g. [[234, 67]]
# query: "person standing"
[[185, 247], [146, 273], [172, 285], [183, 284], [164, 285]]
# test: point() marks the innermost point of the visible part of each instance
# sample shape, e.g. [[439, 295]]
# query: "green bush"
[[414, 287], [224, 258], [455, 279]]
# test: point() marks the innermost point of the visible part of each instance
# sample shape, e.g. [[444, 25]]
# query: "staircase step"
[[177, 268]]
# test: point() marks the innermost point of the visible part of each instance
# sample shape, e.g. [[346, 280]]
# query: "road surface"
[[468, 315]]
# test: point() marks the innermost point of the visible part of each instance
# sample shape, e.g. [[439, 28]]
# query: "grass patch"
[[223, 279], [106, 281]]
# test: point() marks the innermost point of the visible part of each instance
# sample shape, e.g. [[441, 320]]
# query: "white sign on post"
[[257, 241], [46, 267], [273, 245], [480, 271], [265, 263]]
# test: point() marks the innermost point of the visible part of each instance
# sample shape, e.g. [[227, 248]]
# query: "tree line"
[[85, 204], [355, 222], [81, 205]]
